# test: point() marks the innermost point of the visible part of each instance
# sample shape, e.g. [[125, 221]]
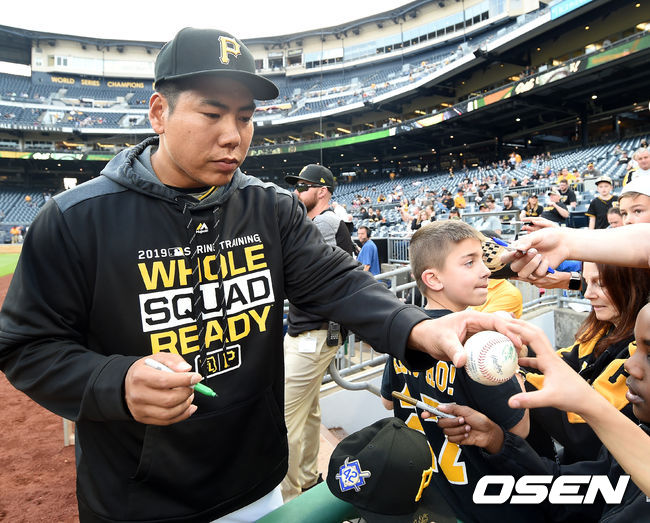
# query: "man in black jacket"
[[174, 256]]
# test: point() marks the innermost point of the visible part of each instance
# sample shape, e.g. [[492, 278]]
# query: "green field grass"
[[8, 263]]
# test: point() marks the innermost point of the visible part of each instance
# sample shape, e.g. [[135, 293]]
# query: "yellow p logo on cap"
[[228, 46]]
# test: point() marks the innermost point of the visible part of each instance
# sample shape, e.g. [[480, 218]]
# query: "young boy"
[[634, 201], [446, 260], [599, 206], [513, 456]]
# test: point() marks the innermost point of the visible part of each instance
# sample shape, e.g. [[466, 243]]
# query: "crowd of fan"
[[490, 195]]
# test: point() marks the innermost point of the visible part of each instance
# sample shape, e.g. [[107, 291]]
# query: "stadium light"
[[346, 131]]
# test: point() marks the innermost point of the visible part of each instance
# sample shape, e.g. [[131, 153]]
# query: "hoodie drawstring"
[[198, 304]]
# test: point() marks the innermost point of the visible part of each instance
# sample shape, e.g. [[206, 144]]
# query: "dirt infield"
[[37, 473], [9, 248]]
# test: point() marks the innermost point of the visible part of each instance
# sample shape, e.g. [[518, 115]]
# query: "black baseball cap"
[[384, 471], [195, 52], [313, 173]]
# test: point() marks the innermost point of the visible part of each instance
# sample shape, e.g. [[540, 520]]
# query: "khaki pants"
[[306, 358]]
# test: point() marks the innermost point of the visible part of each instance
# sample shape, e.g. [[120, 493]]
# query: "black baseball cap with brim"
[[313, 173], [210, 52], [385, 470]]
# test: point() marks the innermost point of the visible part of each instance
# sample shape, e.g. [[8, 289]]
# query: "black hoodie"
[[105, 277]]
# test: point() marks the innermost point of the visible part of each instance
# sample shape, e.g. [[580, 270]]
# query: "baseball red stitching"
[[481, 362]]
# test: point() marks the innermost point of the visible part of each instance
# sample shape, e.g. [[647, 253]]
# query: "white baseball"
[[491, 358]]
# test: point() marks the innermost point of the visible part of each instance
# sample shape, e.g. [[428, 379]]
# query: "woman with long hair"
[[533, 208], [602, 344]]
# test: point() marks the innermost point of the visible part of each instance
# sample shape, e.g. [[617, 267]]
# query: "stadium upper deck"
[[299, 94], [400, 105]]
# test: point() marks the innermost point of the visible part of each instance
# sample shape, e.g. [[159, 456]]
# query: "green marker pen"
[[199, 387]]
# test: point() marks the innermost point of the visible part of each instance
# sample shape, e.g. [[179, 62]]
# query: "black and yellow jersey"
[[606, 375]]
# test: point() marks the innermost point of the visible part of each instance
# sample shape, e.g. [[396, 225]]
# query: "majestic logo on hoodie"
[[202, 228], [167, 308]]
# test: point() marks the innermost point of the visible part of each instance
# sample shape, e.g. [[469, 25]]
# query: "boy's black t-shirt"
[[457, 468], [598, 209]]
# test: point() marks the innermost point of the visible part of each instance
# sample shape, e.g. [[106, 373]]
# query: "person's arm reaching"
[[551, 246], [564, 389]]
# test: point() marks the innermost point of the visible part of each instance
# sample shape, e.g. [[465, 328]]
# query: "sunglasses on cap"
[[302, 186]]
